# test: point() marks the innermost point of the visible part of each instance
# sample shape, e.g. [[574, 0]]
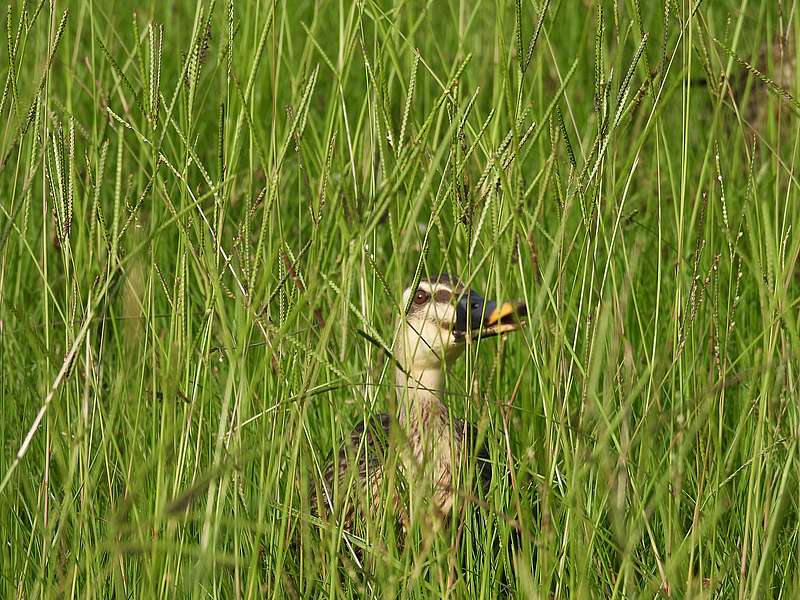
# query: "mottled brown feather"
[[365, 454]]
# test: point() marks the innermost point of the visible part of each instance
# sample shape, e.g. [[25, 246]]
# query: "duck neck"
[[422, 414], [419, 389]]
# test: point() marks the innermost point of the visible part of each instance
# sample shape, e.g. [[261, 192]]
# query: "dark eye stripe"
[[443, 296]]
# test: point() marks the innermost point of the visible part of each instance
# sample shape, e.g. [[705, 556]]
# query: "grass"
[[203, 205]]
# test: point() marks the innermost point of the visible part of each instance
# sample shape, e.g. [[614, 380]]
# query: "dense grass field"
[[208, 215]]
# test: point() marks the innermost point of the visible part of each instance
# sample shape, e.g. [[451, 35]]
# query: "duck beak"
[[505, 318], [485, 318]]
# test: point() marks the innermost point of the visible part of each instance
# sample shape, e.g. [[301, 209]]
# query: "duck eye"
[[421, 297]]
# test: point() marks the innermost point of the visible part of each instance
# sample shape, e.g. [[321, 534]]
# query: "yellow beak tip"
[[507, 309]]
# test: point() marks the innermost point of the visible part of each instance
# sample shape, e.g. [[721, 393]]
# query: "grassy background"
[[202, 205]]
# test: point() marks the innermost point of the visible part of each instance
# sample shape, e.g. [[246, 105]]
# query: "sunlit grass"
[[209, 214]]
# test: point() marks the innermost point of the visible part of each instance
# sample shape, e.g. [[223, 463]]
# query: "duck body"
[[362, 462]]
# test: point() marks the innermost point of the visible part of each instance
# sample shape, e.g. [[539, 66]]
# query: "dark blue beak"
[[473, 311], [484, 318]]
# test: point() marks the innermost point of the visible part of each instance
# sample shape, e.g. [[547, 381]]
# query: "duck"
[[421, 445]]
